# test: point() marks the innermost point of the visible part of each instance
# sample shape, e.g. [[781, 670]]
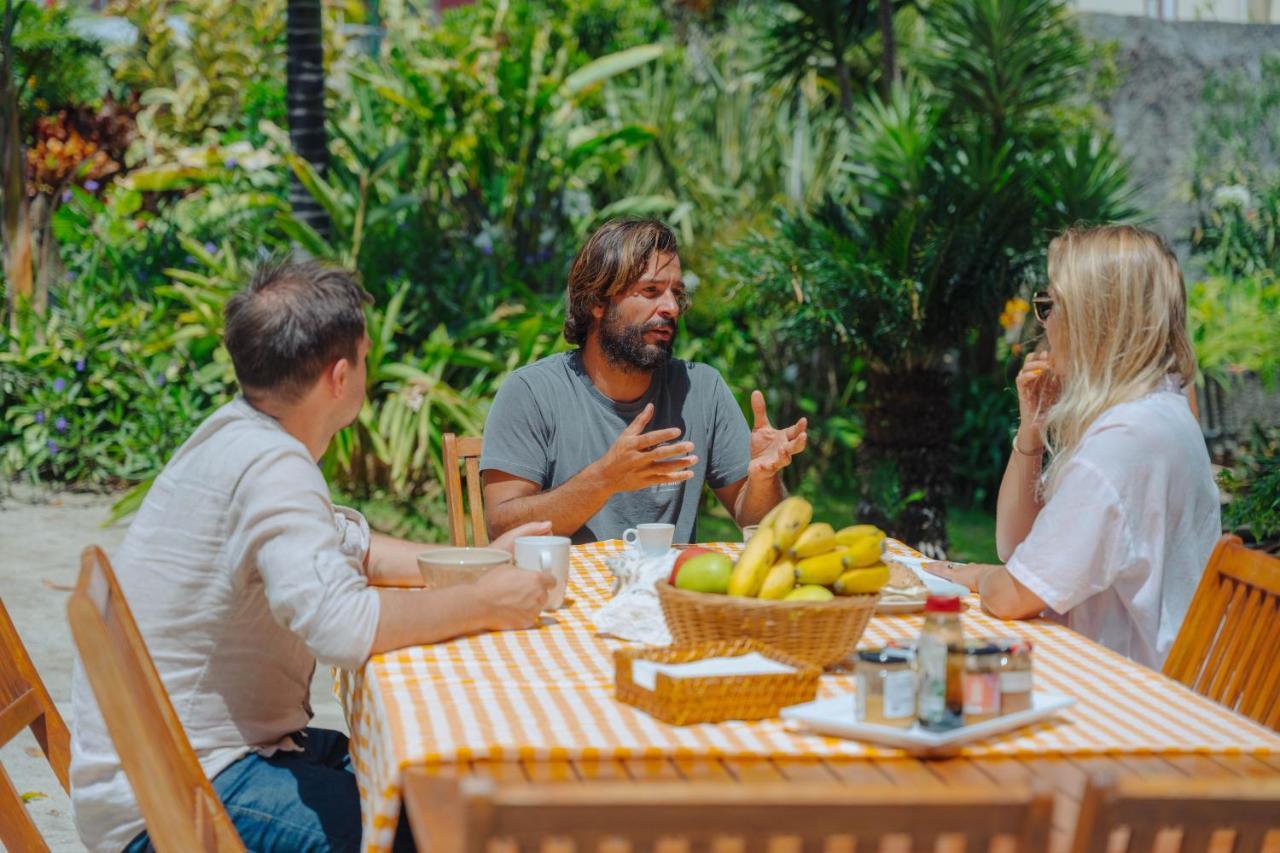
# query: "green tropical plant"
[[195, 79], [952, 192], [1233, 327]]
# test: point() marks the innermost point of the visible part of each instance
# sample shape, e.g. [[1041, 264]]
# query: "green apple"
[[686, 555], [705, 573]]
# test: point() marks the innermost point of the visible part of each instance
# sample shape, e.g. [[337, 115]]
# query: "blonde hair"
[[1122, 307]]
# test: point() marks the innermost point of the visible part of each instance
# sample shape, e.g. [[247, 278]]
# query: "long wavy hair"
[[1121, 306]]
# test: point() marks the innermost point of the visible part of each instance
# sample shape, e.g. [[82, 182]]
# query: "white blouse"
[[1119, 547]]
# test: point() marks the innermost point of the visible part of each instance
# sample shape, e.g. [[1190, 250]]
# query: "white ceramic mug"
[[548, 554], [652, 540]]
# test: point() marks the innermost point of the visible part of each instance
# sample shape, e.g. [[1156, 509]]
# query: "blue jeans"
[[295, 801]]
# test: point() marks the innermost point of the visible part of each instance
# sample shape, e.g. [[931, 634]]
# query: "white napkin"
[[645, 672], [634, 612], [935, 584]]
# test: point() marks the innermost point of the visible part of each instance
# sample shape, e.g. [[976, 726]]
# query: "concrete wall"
[[1239, 11], [1162, 69]]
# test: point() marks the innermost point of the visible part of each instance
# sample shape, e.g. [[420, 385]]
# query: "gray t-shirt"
[[549, 421]]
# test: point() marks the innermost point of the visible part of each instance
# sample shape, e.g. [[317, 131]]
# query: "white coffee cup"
[[749, 531], [548, 554], [652, 540]]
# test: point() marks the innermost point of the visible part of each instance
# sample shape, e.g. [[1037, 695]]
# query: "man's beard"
[[624, 346]]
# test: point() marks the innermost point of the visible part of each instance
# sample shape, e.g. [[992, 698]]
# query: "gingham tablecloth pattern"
[[548, 694]]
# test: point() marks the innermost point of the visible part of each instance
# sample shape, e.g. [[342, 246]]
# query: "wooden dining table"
[[537, 707]]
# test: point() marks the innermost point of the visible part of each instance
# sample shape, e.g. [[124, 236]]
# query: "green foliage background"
[[839, 224]]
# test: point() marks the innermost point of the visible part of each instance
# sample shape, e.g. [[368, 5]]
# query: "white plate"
[[834, 717], [902, 605], [936, 585]]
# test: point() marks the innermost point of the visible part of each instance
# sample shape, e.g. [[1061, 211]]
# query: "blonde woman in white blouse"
[[1113, 534]]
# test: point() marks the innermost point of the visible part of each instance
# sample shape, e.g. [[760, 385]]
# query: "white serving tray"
[[835, 717]]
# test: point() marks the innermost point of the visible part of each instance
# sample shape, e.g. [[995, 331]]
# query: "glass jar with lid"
[[886, 687], [1015, 674], [981, 682]]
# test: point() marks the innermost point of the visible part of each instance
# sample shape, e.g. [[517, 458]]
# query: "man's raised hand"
[[772, 448], [639, 459]]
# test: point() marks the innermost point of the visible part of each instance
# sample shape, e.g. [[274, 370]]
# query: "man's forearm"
[[757, 498], [417, 617], [394, 562], [568, 506]]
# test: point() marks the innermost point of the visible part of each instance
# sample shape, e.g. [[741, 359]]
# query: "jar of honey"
[[981, 683], [886, 687]]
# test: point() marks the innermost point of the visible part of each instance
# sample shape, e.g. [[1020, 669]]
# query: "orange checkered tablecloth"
[[547, 694]]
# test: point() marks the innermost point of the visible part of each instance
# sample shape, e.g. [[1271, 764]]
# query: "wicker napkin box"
[[684, 699]]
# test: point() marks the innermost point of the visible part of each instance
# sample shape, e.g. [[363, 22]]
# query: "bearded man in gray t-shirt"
[[617, 432]]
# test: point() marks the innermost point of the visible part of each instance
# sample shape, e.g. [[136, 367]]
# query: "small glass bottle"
[[940, 663], [886, 688]]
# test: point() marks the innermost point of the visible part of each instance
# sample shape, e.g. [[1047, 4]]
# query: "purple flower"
[[39, 417], [67, 195], [210, 247], [61, 424], [59, 385], [70, 276], [160, 380], [487, 249], [51, 445], [92, 186], [80, 365], [189, 259], [231, 162]]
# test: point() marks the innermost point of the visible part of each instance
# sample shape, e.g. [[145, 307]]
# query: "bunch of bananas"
[[791, 559]]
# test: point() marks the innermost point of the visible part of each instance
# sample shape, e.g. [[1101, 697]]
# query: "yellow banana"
[[817, 538], [793, 517], [770, 517], [780, 581], [810, 592], [865, 551], [749, 572], [848, 535], [861, 581], [822, 569]]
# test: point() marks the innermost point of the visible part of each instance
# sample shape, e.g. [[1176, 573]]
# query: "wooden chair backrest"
[[178, 804], [464, 450], [1226, 647], [450, 815], [1179, 816], [25, 703]]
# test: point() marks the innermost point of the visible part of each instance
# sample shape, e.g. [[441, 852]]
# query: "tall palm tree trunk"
[[304, 65], [908, 436], [15, 222]]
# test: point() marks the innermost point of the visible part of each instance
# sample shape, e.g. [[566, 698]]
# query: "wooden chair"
[[25, 703], [1178, 816], [1226, 648], [177, 802], [465, 450], [450, 815]]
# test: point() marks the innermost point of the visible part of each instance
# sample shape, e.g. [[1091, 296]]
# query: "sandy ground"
[[41, 535]]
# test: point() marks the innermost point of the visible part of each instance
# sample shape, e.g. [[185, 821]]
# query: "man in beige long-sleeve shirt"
[[242, 575]]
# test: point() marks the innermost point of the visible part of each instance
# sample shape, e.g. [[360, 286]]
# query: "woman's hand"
[[1038, 389]]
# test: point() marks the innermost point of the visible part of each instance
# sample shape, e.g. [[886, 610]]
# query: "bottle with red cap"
[[940, 664]]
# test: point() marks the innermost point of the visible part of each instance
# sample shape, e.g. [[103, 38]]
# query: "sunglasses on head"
[[1042, 304]]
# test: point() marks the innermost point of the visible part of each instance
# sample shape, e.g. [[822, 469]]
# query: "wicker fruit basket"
[[714, 699], [819, 632]]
